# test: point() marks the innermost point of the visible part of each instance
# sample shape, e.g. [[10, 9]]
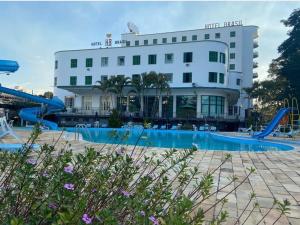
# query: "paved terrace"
[[277, 176]]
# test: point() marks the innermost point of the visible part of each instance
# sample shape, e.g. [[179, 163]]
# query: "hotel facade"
[[207, 70]]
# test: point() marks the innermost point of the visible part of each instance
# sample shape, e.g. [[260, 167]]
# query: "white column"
[[160, 106], [174, 106], [198, 108]]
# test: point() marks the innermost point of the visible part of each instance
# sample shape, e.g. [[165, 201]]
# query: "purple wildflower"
[[53, 205], [154, 220], [126, 193], [31, 161], [69, 169], [69, 186], [86, 219], [143, 213], [45, 174], [94, 190]]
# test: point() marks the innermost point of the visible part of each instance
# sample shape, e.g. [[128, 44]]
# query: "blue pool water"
[[177, 139]]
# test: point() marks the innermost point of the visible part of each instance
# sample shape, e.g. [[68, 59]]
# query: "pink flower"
[[86, 219], [126, 193], [69, 169], [31, 161], [154, 220], [69, 186]]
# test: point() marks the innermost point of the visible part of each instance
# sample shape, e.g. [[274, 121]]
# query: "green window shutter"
[[73, 63], [232, 33], [151, 59], [187, 78], [88, 80], [232, 55], [164, 40], [221, 78], [56, 64], [222, 58], [174, 39], [55, 81], [89, 62], [206, 36], [212, 77], [194, 38], [232, 66], [73, 80], [136, 60], [213, 56], [187, 57], [232, 45]]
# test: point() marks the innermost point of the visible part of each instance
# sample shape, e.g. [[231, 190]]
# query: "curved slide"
[[273, 124], [49, 106]]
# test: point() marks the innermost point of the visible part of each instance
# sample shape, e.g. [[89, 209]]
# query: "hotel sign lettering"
[[225, 24]]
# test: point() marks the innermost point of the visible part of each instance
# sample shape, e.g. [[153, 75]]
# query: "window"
[[121, 60], [88, 80], [69, 102], [104, 78], [222, 58], [136, 60], [174, 39], [155, 41], [73, 63], [127, 43], [232, 45], [194, 38], [145, 42], [232, 33], [217, 35], [164, 40], [206, 36], [213, 56], [169, 77], [187, 57], [55, 81], [187, 78], [212, 105], [232, 66], [104, 61], [151, 59], [89, 62], [221, 78], [232, 55], [169, 58], [183, 38], [238, 82], [137, 43], [212, 77], [56, 64], [73, 80], [135, 77]]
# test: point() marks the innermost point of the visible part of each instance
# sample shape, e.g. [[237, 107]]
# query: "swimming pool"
[[177, 139]]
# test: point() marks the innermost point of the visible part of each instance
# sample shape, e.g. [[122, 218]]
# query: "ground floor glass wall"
[[212, 105], [186, 106]]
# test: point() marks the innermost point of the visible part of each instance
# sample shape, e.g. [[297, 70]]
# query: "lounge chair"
[[213, 129], [174, 127], [245, 130], [7, 130], [163, 127], [201, 128], [195, 127], [206, 127], [155, 126]]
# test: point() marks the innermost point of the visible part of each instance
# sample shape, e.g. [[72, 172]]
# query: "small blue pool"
[[177, 139]]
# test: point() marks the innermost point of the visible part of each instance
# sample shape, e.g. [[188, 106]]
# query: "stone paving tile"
[[292, 187]]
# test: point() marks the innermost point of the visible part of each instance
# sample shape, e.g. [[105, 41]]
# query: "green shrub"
[[114, 120], [110, 186]]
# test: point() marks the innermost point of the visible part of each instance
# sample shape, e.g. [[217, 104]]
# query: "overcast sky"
[[32, 32]]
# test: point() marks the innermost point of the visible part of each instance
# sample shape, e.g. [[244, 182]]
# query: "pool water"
[[177, 139]]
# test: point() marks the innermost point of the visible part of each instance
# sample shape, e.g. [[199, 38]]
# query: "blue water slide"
[[34, 114], [273, 124]]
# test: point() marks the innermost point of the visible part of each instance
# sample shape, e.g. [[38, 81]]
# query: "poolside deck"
[[277, 176]]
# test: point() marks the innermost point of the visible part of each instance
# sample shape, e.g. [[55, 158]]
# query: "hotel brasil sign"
[[225, 24]]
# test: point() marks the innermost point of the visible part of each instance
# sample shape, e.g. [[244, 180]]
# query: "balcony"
[[255, 44], [255, 75], [255, 65], [255, 54]]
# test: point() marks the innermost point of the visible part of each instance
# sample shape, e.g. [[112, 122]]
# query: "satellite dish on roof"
[[132, 28]]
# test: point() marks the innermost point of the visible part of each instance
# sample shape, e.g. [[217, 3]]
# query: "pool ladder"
[[84, 128]]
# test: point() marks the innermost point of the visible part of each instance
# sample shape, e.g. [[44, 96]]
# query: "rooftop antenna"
[[132, 28]]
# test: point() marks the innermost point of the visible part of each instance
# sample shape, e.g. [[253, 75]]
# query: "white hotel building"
[[208, 69]]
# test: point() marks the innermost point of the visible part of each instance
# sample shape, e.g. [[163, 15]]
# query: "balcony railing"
[[255, 54], [255, 75], [255, 65]]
